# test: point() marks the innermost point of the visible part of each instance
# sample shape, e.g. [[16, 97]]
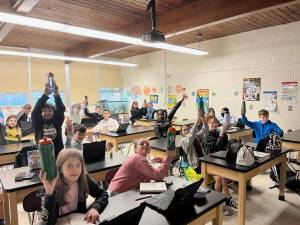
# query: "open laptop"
[[94, 152], [131, 217], [229, 154], [162, 202], [122, 128]]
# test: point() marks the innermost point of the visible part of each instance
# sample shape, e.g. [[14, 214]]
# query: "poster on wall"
[[178, 89], [154, 89], [270, 100], [251, 89], [289, 91], [147, 90], [154, 99], [172, 100], [204, 94], [136, 90]]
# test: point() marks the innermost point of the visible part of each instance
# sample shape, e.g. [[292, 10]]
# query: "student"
[[263, 127], [95, 115], [136, 112], [136, 169], [11, 131], [107, 123], [163, 123], [211, 112], [69, 190], [217, 141], [192, 141], [1, 117], [150, 111], [78, 137], [23, 115], [47, 119], [75, 113], [221, 117]]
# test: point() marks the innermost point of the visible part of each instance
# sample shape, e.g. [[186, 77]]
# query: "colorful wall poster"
[[154, 89], [251, 89], [178, 89], [172, 100], [270, 100], [289, 91], [154, 99], [204, 94], [136, 90], [147, 90]]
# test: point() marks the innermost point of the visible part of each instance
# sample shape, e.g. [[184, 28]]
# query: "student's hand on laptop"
[[48, 184], [92, 216]]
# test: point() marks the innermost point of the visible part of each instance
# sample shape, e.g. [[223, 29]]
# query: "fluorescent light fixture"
[[65, 28], [64, 58]]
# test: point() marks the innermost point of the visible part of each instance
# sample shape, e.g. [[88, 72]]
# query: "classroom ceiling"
[[183, 21]]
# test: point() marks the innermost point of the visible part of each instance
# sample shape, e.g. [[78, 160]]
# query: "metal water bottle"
[[243, 108], [50, 82], [46, 149], [70, 128], [201, 105], [171, 137]]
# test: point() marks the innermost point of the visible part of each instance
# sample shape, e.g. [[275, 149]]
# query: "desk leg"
[[116, 144], [282, 177], [242, 200], [219, 217], [249, 185], [204, 173], [6, 208], [12, 197]]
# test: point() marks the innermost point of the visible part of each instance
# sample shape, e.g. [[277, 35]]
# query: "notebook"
[[152, 187], [73, 219], [261, 154]]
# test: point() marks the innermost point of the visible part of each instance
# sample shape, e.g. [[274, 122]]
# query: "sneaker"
[[231, 203], [42, 216], [2, 222], [227, 211]]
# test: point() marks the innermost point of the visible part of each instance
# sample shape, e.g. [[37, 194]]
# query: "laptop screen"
[[94, 152]]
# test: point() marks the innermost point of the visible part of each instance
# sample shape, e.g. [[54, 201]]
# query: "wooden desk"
[[291, 141], [239, 133], [15, 192], [177, 124], [144, 122], [29, 137], [200, 214], [158, 147], [8, 152], [132, 133], [241, 174]]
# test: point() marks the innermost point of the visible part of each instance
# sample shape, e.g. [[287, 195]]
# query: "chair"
[[31, 204], [109, 176]]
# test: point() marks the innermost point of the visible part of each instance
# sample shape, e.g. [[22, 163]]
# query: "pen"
[[149, 196]]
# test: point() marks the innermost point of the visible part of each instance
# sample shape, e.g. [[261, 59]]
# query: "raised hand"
[[49, 185]]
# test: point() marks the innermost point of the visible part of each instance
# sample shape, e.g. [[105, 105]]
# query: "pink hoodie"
[[136, 169]]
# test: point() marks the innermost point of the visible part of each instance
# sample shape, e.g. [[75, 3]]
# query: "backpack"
[[269, 144], [245, 156], [21, 157]]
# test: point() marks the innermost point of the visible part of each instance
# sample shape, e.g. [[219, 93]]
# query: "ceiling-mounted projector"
[[154, 35]]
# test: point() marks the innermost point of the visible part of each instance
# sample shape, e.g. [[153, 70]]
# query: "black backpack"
[[21, 157], [269, 144]]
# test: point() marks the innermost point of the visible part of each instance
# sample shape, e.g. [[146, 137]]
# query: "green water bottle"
[[46, 149], [171, 137]]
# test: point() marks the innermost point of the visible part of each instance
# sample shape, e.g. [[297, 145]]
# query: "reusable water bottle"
[[171, 137], [70, 128], [226, 118], [50, 82], [243, 108], [46, 149], [201, 105]]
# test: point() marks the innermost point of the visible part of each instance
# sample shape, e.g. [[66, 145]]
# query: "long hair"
[[17, 126], [62, 187]]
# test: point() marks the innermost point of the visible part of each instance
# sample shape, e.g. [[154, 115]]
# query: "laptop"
[[131, 217], [122, 128], [89, 121], [230, 153], [94, 152], [162, 202]]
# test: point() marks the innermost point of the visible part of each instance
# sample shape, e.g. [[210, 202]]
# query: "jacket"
[[188, 144], [137, 114], [50, 205], [97, 117], [161, 127], [215, 143], [262, 130], [49, 128]]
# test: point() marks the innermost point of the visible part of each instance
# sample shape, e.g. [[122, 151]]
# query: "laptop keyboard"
[[162, 201]]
